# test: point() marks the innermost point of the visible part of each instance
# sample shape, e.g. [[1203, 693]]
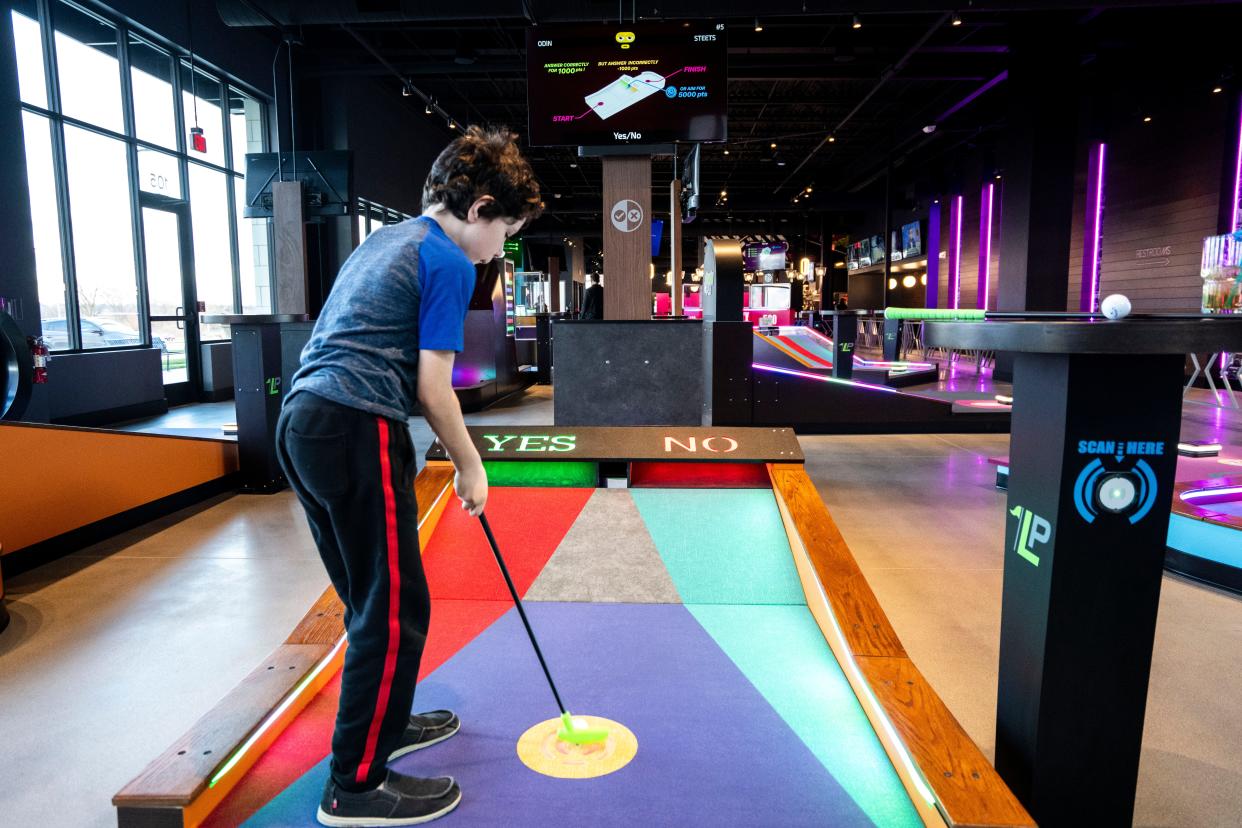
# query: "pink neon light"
[[956, 253], [1237, 182], [1223, 494], [1095, 241], [985, 246]]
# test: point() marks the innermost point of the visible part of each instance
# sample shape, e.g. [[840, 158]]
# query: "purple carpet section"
[[711, 751]]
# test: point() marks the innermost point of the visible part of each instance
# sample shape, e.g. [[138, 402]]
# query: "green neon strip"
[[973, 314], [275, 715], [543, 474]]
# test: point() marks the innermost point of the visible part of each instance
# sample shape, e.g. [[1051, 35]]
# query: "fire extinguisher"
[[40, 352]]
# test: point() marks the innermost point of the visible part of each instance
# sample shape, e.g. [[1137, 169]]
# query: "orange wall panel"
[[56, 479]]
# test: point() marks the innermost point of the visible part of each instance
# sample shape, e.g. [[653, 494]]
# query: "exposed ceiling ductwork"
[[336, 12]]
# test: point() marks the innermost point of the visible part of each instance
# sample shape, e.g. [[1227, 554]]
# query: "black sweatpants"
[[354, 474]]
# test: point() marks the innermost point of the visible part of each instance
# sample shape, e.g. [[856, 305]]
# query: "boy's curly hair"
[[484, 162]]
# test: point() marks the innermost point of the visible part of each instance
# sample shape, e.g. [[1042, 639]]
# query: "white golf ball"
[[1115, 306]]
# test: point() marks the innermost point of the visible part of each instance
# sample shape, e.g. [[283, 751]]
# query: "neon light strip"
[[933, 255], [822, 377], [955, 251], [1091, 252], [435, 503], [860, 681], [1237, 182], [275, 715], [985, 244], [1198, 494]]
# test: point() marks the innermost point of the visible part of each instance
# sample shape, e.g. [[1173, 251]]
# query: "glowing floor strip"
[[436, 503], [1197, 494], [276, 714], [822, 377]]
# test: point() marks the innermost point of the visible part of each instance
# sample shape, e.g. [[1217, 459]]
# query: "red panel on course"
[[788, 340], [699, 476], [528, 523], [468, 595]]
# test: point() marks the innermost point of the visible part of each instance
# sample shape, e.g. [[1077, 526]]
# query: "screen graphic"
[[626, 84]]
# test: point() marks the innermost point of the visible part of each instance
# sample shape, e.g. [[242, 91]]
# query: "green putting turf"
[[782, 653], [722, 546]]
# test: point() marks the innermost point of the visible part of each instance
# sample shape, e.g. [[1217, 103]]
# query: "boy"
[[387, 336]]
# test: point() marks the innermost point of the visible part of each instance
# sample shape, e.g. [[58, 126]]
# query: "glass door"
[[170, 295]]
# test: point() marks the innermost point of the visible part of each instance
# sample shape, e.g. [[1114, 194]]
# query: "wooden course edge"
[[949, 780], [178, 784]]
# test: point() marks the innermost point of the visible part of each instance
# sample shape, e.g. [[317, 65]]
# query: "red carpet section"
[[468, 594]]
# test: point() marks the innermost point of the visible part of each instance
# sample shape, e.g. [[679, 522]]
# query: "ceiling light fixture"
[[758, 25], [1147, 119], [857, 22], [832, 139], [452, 124], [726, 152], [957, 19], [1217, 89], [772, 145]]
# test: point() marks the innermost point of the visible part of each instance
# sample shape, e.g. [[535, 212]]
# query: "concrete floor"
[[116, 650]]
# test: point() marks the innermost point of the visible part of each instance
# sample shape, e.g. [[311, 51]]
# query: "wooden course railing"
[[185, 783], [948, 778]]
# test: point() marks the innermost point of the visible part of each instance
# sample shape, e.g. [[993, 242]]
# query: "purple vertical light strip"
[[1091, 236], [955, 252], [985, 245], [933, 256], [1237, 181]]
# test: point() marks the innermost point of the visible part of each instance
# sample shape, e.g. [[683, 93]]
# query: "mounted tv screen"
[[616, 84], [911, 240], [326, 176], [764, 255]]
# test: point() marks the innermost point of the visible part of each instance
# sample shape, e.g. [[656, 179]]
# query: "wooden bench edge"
[[917, 776], [433, 486]]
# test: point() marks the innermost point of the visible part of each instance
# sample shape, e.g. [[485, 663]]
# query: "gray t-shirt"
[[407, 287]]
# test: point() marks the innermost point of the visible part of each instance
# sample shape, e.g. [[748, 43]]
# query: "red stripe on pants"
[[394, 608]]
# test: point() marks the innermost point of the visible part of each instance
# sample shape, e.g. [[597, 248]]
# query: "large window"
[[105, 132], [372, 216]]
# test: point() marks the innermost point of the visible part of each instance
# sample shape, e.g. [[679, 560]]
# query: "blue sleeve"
[[443, 302]]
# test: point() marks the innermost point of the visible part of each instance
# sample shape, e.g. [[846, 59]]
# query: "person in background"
[[593, 300]]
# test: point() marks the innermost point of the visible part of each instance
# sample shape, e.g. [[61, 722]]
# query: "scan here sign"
[[773, 445]]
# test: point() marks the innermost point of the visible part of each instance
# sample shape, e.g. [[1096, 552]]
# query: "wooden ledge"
[[949, 780], [186, 782]]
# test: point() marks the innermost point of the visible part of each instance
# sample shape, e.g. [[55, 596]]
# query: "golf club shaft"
[[517, 602]]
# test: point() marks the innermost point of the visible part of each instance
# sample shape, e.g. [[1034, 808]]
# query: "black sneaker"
[[425, 730], [399, 800]]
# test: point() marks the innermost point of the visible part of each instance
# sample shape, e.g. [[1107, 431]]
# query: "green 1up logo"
[[1032, 530]]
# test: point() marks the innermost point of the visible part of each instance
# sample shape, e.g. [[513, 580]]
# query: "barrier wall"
[[59, 478]]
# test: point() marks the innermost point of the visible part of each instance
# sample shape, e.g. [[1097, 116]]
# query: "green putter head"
[[578, 735]]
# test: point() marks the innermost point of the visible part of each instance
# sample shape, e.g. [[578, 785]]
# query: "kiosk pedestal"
[[1096, 419], [266, 353]]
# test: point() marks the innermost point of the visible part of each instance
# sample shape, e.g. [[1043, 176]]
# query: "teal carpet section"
[[783, 654], [722, 546]]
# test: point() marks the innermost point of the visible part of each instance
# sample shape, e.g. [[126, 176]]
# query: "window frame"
[[125, 28]]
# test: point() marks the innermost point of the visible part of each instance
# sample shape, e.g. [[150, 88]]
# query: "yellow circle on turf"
[[541, 750]]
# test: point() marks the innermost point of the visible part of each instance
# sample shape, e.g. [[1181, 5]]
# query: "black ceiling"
[[803, 78]]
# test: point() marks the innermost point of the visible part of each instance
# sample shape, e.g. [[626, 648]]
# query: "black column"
[[1094, 453], [18, 279], [1037, 201]]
